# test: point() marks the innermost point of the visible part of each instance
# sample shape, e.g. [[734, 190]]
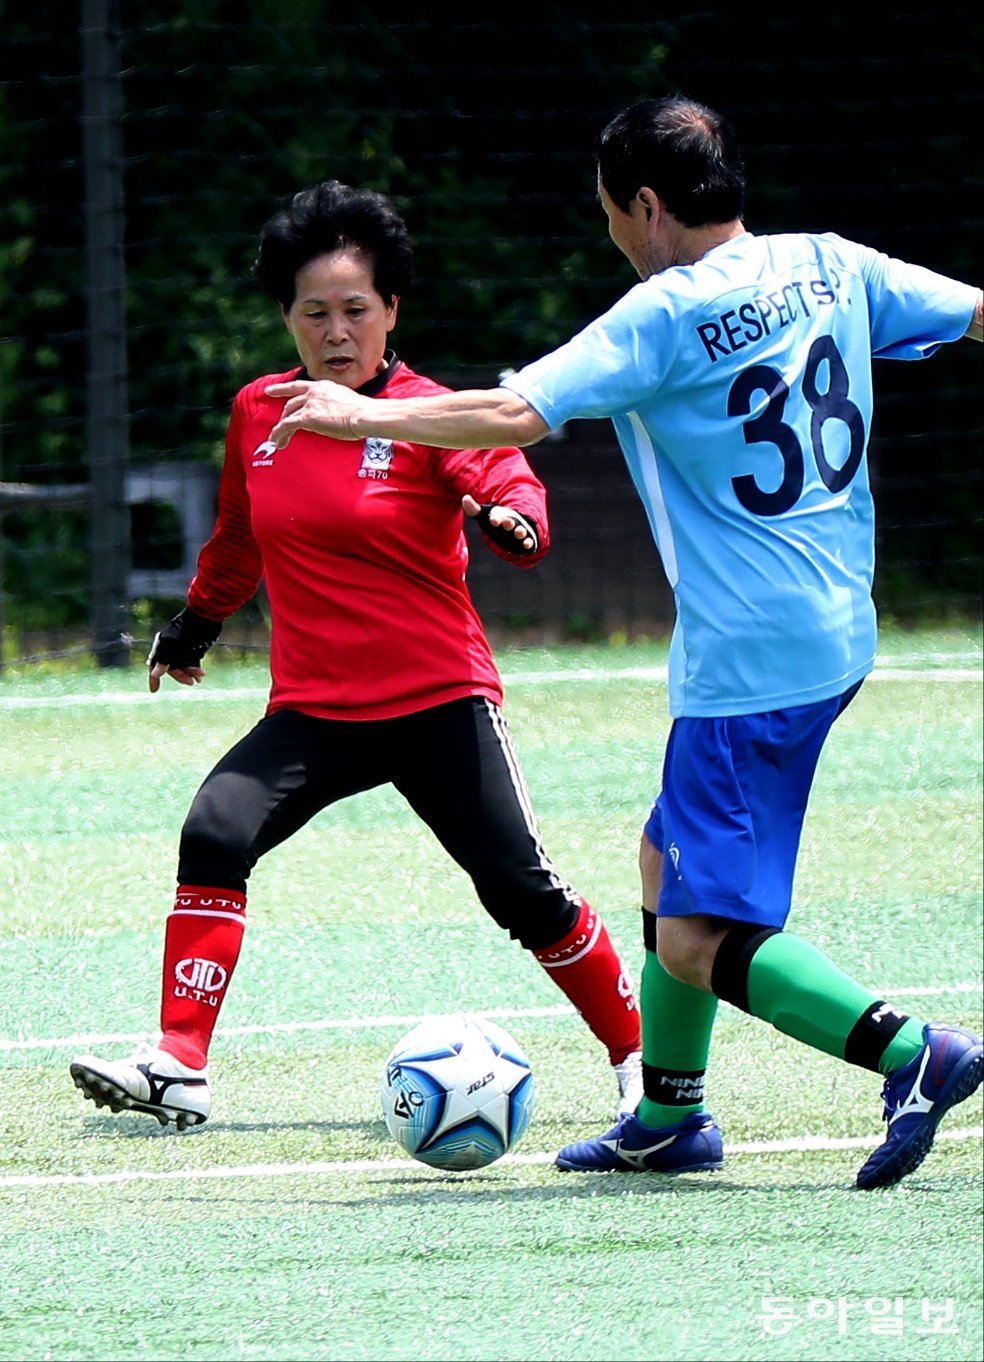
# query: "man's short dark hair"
[[686, 153], [329, 217]]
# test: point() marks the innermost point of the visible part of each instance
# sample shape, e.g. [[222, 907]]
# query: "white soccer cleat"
[[149, 1081], [629, 1075]]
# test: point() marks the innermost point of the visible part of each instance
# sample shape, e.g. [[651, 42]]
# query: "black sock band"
[[872, 1034], [729, 973], [673, 1087], [649, 931]]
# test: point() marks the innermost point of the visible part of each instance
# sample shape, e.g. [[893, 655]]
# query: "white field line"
[[805, 1144], [82, 1042], [511, 681]]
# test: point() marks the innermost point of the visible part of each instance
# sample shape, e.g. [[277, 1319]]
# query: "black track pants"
[[455, 766]]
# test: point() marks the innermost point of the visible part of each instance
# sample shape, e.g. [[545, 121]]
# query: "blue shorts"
[[730, 814]]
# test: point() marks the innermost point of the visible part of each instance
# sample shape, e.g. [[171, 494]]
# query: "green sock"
[[677, 1020], [803, 994], [905, 1046]]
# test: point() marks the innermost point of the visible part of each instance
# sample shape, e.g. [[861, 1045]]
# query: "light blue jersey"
[[740, 390]]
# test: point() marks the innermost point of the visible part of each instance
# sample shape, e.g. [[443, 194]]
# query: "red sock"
[[586, 966], [202, 940]]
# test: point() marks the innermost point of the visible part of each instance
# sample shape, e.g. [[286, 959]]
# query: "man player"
[[738, 375]]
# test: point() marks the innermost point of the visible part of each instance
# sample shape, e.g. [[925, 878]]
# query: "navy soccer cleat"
[[693, 1145], [947, 1070]]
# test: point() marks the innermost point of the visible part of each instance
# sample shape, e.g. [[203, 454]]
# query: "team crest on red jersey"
[[376, 458]]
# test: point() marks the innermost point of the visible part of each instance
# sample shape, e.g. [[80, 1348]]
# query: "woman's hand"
[[511, 531]]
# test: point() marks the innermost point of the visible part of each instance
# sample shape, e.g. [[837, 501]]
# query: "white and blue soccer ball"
[[458, 1092]]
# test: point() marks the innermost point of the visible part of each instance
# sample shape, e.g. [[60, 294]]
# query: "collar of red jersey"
[[378, 381]]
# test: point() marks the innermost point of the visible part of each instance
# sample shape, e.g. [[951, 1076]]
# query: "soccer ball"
[[457, 1092]]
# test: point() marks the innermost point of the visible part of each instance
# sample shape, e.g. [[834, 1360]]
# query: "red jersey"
[[362, 548]]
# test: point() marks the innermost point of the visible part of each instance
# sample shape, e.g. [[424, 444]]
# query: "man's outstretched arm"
[[481, 418], [976, 329]]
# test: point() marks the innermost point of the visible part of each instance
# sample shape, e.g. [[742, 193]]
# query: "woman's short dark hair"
[[683, 151], [326, 218]]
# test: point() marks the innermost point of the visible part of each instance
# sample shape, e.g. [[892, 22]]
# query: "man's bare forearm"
[[976, 329], [475, 419]]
